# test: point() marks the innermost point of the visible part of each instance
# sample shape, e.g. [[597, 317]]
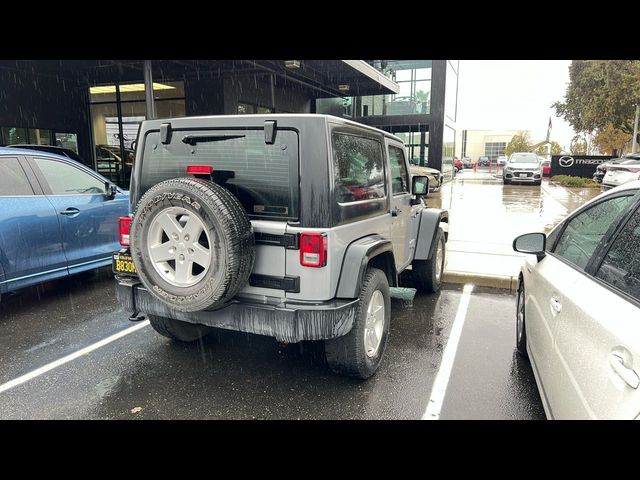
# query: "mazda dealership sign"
[[577, 165]]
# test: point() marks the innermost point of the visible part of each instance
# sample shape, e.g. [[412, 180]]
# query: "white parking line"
[[50, 366], [442, 378]]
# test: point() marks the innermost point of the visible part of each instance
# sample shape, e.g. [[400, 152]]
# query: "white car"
[[523, 167], [620, 173], [578, 309], [502, 159]]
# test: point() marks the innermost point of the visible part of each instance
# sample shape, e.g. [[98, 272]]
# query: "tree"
[[422, 99], [612, 141], [578, 146], [601, 93], [556, 149], [519, 143]]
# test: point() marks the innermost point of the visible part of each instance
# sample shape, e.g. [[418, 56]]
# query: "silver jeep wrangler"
[[291, 226]]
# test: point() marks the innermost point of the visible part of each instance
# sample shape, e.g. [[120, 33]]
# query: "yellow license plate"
[[123, 263]]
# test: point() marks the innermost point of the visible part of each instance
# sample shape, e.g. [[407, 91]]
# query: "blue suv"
[[57, 218]]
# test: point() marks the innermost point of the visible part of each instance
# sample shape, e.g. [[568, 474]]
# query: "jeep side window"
[[398, 167], [358, 168]]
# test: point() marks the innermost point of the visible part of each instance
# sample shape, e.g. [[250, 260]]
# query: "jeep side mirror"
[[420, 185], [110, 189], [531, 243]]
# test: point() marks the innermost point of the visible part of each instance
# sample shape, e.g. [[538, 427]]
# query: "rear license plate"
[[123, 263]]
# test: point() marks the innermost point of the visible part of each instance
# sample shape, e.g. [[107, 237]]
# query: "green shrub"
[[569, 181]]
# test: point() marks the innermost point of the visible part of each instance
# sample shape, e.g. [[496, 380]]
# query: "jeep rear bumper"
[[289, 322]]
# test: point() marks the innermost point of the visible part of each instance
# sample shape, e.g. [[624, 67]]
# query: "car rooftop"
[[274, 116], [5, 151]]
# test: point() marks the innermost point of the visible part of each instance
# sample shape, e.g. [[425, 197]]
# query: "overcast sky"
[[513, 95]]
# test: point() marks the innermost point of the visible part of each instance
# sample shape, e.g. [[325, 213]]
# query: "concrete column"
[[148, 90], [436, 127]]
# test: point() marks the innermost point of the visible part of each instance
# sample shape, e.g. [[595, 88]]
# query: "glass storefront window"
[[250, 108], [451, 93], [39, 136], [403, 76], [414, 98], [423, 96], [13, 135], [448, 148], [67, 140], [107, 124], [423, 74]]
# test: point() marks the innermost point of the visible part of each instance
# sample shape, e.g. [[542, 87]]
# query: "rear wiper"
[[193, 139]]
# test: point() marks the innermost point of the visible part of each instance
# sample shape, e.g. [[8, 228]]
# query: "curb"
[[482, 280]]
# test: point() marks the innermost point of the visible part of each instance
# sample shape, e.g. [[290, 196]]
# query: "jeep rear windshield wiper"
[[193, 139]]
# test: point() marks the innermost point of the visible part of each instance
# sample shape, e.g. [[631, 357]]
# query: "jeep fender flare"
[[430, 221], [357, 258]]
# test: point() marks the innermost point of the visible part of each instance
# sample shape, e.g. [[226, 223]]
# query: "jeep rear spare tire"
[[192, 244]]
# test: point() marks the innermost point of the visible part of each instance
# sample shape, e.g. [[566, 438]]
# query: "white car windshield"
[[524, 158]]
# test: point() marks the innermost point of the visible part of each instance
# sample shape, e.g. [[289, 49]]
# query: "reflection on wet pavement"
[[485, 217]]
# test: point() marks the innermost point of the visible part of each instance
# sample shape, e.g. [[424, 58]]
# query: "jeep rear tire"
[[192, 244], [177, 330], [427, 274], [359, 352]]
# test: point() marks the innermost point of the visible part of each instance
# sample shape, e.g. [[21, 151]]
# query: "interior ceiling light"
[[132, 87], [292, 63], [343, 88]]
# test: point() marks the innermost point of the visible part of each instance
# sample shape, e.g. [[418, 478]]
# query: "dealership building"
[[484, 143], [94, 107]]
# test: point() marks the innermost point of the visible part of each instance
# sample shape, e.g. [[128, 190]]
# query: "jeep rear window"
[[263, 177]]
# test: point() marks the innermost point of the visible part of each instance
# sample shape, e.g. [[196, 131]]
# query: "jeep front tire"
[[359, 352], [427, 274]]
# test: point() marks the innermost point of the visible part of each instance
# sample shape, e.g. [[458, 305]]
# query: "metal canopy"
[[316, 78]]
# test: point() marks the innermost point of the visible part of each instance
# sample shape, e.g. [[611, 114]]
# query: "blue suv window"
[[65, 179], [13, 180]]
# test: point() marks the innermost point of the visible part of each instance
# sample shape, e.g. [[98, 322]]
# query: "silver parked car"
[[622, 172], [435, 176], [578, 309], [522, 167]]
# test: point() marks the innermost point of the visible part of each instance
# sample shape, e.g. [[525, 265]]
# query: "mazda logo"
[[566, 162]]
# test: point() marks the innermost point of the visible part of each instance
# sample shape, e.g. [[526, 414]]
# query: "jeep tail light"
[[313, 250], [199, 169], [124, 225]]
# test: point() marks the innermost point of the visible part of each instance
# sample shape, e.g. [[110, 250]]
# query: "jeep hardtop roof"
[[285, 119]]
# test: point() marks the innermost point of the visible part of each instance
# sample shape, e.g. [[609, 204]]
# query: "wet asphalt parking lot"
[[233, 375], [442, 360]]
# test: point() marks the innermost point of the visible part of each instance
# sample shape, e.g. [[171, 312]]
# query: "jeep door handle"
[[627, 374], [395, 212], [70, 212], [556, 306]]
